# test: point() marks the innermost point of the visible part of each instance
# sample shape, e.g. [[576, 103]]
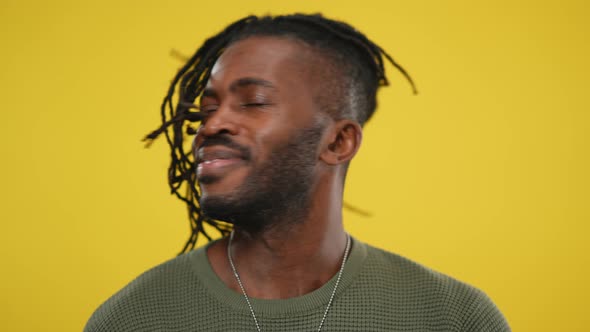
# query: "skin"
[[260, 95]]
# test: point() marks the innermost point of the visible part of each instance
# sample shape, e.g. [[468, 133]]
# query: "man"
[[281, 104]]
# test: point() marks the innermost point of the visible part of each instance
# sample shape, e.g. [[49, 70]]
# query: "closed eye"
[[208, 108], [255, 104]]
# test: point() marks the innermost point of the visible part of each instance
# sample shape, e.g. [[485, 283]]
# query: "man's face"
[[257, 150]]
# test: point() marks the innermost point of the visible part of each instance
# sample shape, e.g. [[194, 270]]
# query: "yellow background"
[[483, 175]]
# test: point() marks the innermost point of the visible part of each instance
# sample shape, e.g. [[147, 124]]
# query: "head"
[[281, 104]]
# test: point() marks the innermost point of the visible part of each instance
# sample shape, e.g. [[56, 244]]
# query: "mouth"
[[216, 162]]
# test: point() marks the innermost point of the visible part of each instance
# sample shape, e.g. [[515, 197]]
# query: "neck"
[[288, 260]]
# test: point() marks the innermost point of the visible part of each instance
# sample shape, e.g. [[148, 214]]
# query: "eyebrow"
[[241, 83], [246, 81]]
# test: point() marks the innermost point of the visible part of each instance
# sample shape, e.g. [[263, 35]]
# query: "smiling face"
[[258, 148]]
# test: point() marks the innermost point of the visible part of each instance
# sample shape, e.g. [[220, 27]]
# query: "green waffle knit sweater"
[[379, 291]]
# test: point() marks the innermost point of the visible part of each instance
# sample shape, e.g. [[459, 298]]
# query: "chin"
[[218, 207], [220, 185], [217, 189]]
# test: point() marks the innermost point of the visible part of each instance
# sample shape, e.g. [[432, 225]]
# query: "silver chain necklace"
[[233, 267]]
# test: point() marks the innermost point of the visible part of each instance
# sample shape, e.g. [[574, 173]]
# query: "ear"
[[343, 142]]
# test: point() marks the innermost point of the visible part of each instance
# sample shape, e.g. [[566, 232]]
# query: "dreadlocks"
[[358, 61]]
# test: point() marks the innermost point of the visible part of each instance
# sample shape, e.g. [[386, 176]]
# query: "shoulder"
[[464, 307], [149, 299]]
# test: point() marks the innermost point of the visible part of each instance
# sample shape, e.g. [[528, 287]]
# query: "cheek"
[[266, 141]]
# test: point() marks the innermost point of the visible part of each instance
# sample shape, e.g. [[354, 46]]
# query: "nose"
[[218, 122]]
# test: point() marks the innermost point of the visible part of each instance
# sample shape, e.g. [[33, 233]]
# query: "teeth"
[[209, 161]]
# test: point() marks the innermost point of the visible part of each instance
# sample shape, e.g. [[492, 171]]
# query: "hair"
[[356, 66]]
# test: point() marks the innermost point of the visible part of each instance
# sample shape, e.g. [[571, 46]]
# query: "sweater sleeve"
[[485, 317]]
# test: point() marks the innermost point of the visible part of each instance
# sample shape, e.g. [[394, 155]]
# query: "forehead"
[[282, 61]]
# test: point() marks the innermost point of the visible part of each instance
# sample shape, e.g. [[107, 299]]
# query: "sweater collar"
[[313, 301]]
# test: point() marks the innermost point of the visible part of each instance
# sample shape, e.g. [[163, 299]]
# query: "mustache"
[[223, 140]]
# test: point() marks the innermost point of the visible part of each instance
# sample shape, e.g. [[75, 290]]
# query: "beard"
[[278, 192]]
